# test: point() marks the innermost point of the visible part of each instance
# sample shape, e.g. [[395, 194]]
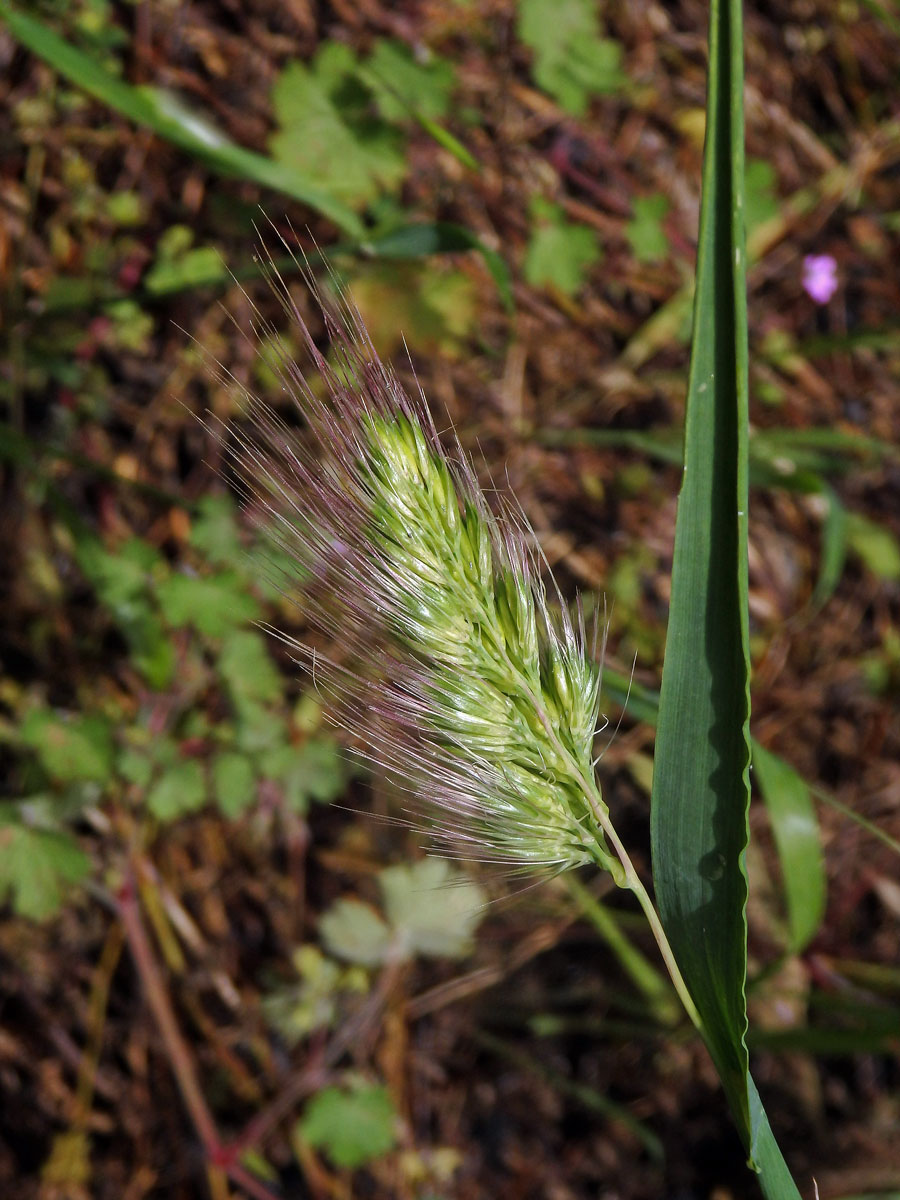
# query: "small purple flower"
[[820, 280]]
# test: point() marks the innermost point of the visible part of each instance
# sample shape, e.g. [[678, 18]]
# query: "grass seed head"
[[463, 682]]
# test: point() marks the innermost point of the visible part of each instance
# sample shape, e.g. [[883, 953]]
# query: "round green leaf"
[[180, 789], [353, 1127], [234, 783]]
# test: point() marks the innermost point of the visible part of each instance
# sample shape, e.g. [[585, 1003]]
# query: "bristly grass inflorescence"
[[460, 679]]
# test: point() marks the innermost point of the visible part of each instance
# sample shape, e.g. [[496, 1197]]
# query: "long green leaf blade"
[[796, 831], [701, 789], [159, 112]]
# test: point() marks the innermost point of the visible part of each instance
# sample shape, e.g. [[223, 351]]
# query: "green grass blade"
[[788, 800], [642, 704], [590, 1098], [653, 985], [161, 113], [796, 832], [774, 1177], [833, 554], [701, 789], [870, 827]]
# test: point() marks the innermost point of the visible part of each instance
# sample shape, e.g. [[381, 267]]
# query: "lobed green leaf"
[[37, 867], [353, 1125]]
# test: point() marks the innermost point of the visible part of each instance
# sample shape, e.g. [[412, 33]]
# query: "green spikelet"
[[456, 676], [502, 686]]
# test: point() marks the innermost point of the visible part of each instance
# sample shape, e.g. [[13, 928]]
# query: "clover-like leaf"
[[234, 783], [560, 253], [36, 867], [312, 1003], [354, 932], [432, 908], [327, 131], [353, 1126], [645, 232], [571, 60], [214, 531], [70, 749], [247, 667], [181, 789], [432, 308], [405, 85], [211, 605]]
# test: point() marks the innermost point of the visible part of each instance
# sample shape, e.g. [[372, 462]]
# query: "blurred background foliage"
[[509, 191]]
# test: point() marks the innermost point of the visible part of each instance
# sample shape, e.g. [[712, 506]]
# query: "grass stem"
[[635, 884], [650, 982]]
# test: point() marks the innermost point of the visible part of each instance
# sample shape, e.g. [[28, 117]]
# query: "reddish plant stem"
[[258, 1127], [317, 1073], [154, 989]]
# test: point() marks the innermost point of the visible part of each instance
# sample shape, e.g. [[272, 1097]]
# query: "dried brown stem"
[[179, 1056]]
